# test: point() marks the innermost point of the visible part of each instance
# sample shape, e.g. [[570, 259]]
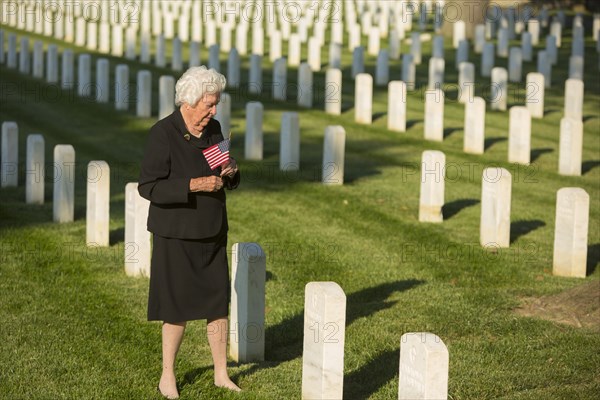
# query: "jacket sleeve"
[[233, 182], [155, 183]]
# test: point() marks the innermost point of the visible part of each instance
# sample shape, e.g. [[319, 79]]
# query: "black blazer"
[[171, 159]]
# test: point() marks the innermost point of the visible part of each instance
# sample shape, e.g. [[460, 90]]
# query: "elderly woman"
[[189, 277]]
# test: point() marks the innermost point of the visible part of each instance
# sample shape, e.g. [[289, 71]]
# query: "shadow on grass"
[[589, 165], [536, 153], [412, 122], [450, 131], [378, 115], [521, 228], [588, 117], [284, 341], [551, 111], [362, 383], [593, 258], [454, 207], [489, 142], [192, 376], [115, 236]]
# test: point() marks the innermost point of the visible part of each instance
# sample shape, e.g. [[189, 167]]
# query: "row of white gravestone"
[[423, 364], [572, 212]]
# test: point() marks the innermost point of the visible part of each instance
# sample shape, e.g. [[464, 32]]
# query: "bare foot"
[[168, 387], [227, 384]]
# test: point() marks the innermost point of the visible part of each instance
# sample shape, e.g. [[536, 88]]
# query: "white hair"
[[197, 82]]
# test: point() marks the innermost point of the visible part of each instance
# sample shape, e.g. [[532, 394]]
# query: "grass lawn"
[[73, 325]]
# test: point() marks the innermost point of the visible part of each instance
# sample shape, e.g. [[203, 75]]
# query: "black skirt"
[[189, 279]]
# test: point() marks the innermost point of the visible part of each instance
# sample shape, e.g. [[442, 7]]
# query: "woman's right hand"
[[206, 184]]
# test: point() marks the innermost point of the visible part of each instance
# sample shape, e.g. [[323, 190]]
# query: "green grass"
[[73, 325]]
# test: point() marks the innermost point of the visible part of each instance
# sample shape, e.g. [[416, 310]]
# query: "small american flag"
[[217, 154]]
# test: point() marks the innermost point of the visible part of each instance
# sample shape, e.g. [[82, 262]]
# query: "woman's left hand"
[[230, 168]]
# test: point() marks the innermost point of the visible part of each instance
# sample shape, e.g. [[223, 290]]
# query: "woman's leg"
[[172, 335], [217, 333]]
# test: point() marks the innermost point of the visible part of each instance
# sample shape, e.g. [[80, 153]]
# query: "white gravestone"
[[97, 204], [241, 39], [533, 26], [333, 155], [333, 91], [280, 79], [159, 57], [551, 49], [397, 106], [177, 55], [570, 146], [92, 36], [137, 237], [122, 87], [515, 64], [84, 75], [431, 199], [409, 71], [233, 69], [415, 47], [104, 43], [166, 96], [459, 33], [324, 337], [534, 97], [24, 61], [305, 86], [63, 205], [499, 89], [436, 73], [38, 59], [495, 208], [213, 57], [363, 97], [35, 169], [544, 66], [289, 151], [145, 47], [466, 82], [574, 99], [487, 60], [382, 71], [474, 140], [11, 55], [502, 49], [526, 46], [68, 79], [247, 319], [423, 367], [434, 115], [576, 67], [144, 94], [255, 75], [462, 53], [571, 233], [117, 40], [10, 154], [556, 31], [258, 42], [358, 61], [102, 80], [438, 47], [373, 42], [224, 113], [335, 55], [52, 64], [479, 38], [194, 55], [314, 54], [294, 50], [275, 46], [519, 135], [253, 149]]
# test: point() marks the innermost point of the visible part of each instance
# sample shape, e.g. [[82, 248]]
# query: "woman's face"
[[197, 116]]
